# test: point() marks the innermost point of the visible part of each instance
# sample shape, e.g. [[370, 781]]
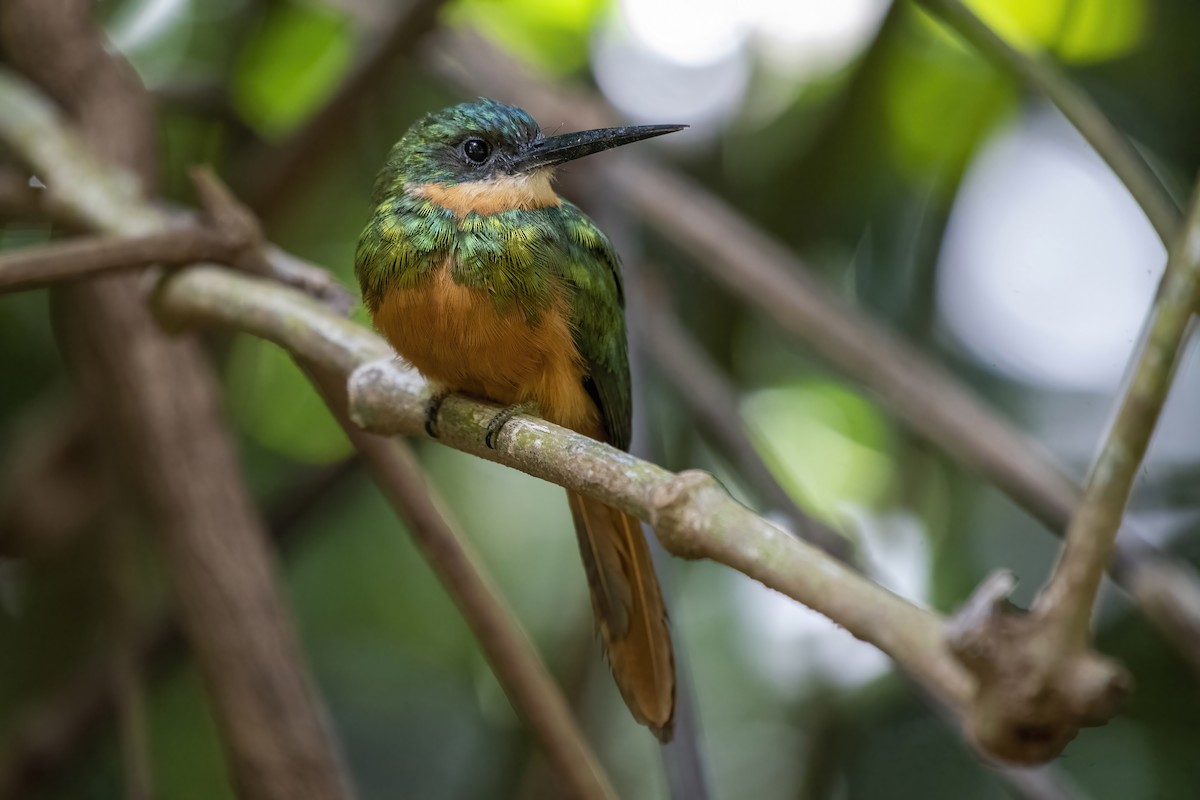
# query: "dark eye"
[[476, 150]]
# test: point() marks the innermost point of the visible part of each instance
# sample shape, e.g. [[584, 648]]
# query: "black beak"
[[570, 146]]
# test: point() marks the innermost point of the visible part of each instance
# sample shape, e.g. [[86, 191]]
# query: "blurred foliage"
[[856, 168], [295, 63]]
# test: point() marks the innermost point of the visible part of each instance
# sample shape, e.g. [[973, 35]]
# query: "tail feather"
[[629, 611]]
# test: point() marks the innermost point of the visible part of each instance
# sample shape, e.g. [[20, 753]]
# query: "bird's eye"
[[476, 150]]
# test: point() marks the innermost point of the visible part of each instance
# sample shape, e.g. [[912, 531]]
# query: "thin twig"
[[1045, 77], [508, 650], [225, 232], [1089, 541], [39, 267]]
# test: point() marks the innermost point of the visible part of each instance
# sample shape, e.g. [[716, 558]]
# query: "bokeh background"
[[919, 182]]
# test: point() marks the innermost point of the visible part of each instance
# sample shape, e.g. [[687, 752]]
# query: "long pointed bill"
[[570, 146]]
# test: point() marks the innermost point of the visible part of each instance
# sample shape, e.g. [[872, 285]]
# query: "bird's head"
[[490, 149]]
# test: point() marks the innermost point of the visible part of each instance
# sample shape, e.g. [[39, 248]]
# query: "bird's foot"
[[431, 411], [501, 419]]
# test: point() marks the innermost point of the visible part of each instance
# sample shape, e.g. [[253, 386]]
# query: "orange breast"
[[458, 340]]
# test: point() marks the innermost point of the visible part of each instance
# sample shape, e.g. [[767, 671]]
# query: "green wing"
[[591, 268]]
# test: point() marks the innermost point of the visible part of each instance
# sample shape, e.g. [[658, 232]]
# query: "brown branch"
[[157, 403], [86, 257], [760, 270], [225, 232], [512, 657]]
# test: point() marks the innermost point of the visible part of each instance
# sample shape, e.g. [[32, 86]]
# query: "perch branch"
[[692, 515], [1045, 77]]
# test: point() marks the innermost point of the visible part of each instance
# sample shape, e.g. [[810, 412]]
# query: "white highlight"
[[1048, 266]]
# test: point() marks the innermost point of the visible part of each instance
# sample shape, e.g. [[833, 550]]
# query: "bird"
[[493, 286]]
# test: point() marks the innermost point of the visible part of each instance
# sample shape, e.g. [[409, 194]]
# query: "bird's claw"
[[497, 423]]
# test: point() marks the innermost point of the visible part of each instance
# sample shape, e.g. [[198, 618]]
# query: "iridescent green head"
[[486, 139]]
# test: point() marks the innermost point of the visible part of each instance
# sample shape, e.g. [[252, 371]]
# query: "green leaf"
[[292, 66]]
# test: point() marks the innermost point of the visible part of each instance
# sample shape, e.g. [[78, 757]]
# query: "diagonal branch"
[[1045, 77], [1072, 589], [512, 657], [692, 515]]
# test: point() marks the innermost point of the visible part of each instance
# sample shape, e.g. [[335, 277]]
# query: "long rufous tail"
[[629, 611]]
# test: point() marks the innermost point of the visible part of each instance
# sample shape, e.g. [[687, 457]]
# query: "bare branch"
[[39, 267], [1045, 77], [692, 516]]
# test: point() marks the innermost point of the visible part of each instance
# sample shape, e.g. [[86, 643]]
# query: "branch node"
[[677, 510], [235, 226], [1034, 689], [373, 404]]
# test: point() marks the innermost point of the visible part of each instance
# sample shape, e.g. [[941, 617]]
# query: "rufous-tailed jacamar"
[[492, 285]]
